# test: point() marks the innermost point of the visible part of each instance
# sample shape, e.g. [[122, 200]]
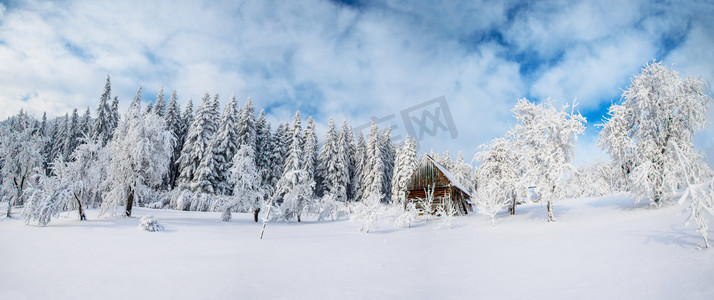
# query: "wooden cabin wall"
[[427, 175]]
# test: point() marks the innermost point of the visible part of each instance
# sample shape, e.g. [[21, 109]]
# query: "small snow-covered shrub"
[[226, 216], [408, 217], [367, 213], [148, 223], [330, 208]]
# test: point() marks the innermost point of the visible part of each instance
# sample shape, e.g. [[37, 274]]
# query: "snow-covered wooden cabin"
[[430, 175]]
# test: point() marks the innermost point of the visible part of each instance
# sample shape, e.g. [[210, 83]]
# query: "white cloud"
[[330, 59], [594, 74]]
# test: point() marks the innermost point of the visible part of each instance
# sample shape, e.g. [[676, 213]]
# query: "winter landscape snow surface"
[[600, 248]]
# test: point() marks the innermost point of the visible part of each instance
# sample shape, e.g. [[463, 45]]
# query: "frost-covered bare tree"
[[546, 136], [77, 184], [499, 177], [245, 182], [367, 212], [20, 157], [140, 154], [659, 109], [699, 193]]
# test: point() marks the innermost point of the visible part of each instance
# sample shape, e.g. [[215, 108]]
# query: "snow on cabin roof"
[[449, 176]]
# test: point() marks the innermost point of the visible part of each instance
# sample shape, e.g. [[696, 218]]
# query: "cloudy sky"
[[353, 59]]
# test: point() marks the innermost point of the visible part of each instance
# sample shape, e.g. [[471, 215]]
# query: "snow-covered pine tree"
[[61, 137], [295, 188], [326, 160], [85, 126], [72, 135], [387, 154], [149, 108], [297, 124], [404, 166], [160, 107], [197, 143], [140, 153], [174, 124], [447, 162], [187, 118], [262, 140], [43, 124], [48, 153], [547, 138], [659, 109], [277, 157], [351, 154], [263, 150], [103, 123], [113, 117], [224, 148], [344, 161], [359, 160], [206, 175], [246, 127], [372, 156], [136, 103], [310, 148], [464, 173]]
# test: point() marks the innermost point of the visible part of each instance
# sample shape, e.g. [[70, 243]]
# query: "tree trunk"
[[82, 216], [551, 218], [255, 214], [512, 208], [9, 207], [129, 203], [298, 217]]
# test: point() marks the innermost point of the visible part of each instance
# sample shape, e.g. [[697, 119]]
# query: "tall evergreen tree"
[[310, 148], [277, 156], [464, 173], [446, 161], [206, 174], [359, 160], [387, 152], [325, 159], [71, 135], [160, 106], [296, 125], [43, 124], [295, 187], [262, 142], [149, 108], [344, 165], [174, 124], [85, 124], [224, 148], [136, 103], [197, 143], [103, 123], [114, 120], [404, 166], [246, 127]]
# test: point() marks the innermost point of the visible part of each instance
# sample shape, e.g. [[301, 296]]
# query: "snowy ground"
[[600, 248]]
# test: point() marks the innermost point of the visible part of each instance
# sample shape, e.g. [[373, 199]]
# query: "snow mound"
[[148, 223]]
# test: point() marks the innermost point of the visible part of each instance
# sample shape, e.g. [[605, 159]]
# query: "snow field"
[[600, 248]]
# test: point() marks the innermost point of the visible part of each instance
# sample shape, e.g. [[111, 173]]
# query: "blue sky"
[[353, 59]]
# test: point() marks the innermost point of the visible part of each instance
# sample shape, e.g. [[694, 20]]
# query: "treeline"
[[205, 161]]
